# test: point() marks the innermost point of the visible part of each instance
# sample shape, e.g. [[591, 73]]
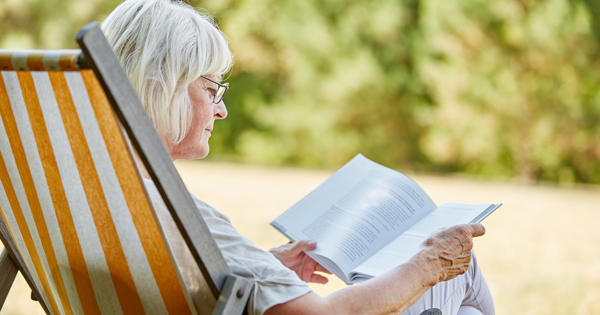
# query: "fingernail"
[[312, 243]]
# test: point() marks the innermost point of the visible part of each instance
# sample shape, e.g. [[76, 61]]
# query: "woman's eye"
[[212, 92]]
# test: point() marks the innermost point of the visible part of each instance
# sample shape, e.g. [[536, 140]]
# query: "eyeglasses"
[[218, 96]]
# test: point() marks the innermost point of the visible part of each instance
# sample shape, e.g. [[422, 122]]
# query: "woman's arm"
[[445, 256]]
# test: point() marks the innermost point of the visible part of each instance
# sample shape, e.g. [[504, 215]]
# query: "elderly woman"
[[175, 59]]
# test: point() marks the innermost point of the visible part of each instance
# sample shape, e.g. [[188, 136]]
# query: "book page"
[[355, 212], [450, 214], [397, 252], [401, 249]]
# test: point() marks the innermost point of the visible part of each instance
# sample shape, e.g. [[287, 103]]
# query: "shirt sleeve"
[[274, 283]]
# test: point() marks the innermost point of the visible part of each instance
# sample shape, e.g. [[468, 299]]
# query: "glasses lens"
[[220, 92]]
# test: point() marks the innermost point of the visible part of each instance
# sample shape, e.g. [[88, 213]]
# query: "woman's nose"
[[221, 110]]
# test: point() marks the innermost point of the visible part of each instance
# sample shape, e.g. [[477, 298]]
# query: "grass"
[[540, 253]]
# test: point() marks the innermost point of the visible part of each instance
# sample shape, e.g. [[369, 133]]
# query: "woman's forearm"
[[394, 291], [391, 292]]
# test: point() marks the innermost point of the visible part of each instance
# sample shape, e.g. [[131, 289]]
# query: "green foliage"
[[49, 24], [496, 88], [505, 88]]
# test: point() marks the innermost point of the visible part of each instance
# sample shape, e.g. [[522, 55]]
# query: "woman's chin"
[[202, 153], [191, 155]]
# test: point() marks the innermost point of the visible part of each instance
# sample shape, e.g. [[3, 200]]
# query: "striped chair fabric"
[[72, 198]]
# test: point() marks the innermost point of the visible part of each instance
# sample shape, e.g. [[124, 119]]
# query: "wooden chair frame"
[[231, 292]]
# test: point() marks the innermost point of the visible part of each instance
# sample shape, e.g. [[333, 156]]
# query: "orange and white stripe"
[[72, 198], [39, 60]]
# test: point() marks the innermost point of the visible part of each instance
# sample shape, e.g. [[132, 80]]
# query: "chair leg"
[[8, 272], [34, 297]]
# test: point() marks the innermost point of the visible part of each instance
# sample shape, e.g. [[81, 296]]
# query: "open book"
[[367, 219]]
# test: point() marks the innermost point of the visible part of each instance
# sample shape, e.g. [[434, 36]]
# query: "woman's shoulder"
[[205, 209], [208, 210]]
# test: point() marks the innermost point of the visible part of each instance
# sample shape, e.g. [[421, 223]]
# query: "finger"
[[446, 260], [464, 259], [316, 265], [450, 274], [457, 269], [476, 229], [301, 271], [309, 245], [459, 265], [295, 250], [316, 278], [465, 243], [322, 269], [308, 268], [304, 245]]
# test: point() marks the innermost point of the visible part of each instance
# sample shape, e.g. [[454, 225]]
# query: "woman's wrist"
[[430, 266]]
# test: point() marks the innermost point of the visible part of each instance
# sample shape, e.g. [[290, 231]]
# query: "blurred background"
[[481, 101], [497, 89]]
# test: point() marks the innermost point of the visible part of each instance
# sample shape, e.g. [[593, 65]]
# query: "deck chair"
[[76, 220]]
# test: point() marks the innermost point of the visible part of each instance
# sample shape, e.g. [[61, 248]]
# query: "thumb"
[[477, 229], [304, 245]]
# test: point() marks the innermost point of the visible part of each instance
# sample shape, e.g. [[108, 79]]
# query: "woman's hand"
[[450, 250], [293, 256]]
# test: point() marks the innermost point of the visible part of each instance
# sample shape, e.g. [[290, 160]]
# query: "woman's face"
[[204, 114]]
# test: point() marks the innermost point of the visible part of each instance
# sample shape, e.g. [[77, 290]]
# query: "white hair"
[[163, 46]]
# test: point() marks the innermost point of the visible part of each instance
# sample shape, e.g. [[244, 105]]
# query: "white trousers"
[[467, 294]]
